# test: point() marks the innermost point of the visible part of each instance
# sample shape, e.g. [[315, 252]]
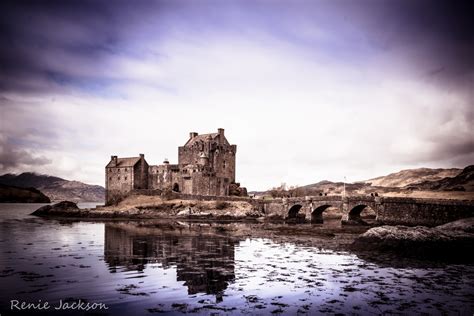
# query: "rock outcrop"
[[448, 241], [140, 207], [64, 208]]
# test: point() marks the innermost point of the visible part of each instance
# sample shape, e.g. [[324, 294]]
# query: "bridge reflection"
[[204, 259]]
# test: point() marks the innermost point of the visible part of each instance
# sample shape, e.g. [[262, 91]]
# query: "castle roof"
[[204, 138], [124, 162]]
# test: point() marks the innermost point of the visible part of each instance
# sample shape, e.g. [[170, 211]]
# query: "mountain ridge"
[[403, 181], [406, 177], [57, 189]]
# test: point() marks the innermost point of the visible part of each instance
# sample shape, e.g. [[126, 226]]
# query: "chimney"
[[221, 135], [192, 135], [142, 156], [114, 160]]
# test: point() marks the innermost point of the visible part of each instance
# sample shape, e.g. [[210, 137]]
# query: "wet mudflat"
[[200, 268]]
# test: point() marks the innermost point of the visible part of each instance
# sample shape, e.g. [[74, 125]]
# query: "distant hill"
[[405, 181], [410, 176], [331, 188], [11, 194], [57, 189], [464, 181]]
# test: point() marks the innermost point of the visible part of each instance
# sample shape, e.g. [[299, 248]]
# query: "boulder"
[[452, 240], [62, 208]]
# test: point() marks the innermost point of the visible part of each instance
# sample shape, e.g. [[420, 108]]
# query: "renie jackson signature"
[[69, 305]]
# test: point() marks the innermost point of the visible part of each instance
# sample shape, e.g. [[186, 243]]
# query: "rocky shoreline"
[[144, 208], [452, 241]]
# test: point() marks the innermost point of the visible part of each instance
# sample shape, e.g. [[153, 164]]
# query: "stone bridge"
[[388, 210]]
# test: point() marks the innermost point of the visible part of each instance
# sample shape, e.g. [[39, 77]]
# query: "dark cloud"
[[11, 157], [53, 47], [47, 45], [41, 41], [436, 37]]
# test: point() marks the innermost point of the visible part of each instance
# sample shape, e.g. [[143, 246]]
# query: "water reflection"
[[174, 267], [205, 262]]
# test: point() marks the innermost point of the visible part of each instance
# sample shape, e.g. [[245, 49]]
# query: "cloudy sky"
[[308, 90]]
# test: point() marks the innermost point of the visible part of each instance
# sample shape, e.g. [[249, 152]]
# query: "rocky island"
[[155, 207], [12, 194]]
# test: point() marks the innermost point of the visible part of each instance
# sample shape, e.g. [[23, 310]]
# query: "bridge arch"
[[317, 213], [293, 211], [356, 212]]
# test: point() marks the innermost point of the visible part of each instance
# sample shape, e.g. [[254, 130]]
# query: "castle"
[[206, 166]]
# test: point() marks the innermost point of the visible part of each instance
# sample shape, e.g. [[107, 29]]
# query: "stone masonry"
[[206, 166]]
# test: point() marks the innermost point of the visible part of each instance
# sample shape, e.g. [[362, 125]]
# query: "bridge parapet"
[[388, 210], [319, 198], [360, 198], [419, 211]]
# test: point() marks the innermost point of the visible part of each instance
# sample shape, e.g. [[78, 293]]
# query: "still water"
[[136, 268]]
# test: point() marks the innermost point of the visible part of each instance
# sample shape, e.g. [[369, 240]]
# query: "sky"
[[308, 90]]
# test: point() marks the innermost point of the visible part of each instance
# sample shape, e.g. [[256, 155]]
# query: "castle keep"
[[206, 166]]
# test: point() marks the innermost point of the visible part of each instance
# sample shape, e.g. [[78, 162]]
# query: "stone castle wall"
[[118, 182], [206, 166], [163, 176]]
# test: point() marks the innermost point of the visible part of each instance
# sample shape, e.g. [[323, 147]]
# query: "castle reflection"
[[203, 256]]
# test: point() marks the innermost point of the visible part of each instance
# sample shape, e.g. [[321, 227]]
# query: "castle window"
[[224, 164], [125, 178], [126, 170], [118, 177], [176, 187], [110, 178]]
